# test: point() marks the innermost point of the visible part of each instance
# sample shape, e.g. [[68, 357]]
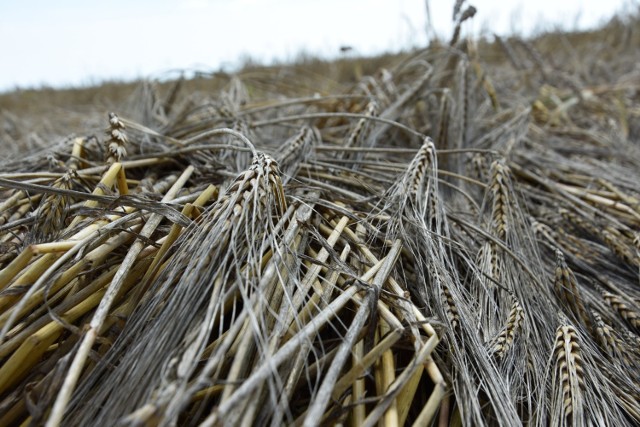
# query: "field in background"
[[35, 118]]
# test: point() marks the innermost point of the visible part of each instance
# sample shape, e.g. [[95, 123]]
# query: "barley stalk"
[[504, 341], [500, 202], [628, 313], [568, 378], [312, 284], [566, 288], [116, 144], [53, 210]]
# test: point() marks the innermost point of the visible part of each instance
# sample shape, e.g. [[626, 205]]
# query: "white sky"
[[76, 42]]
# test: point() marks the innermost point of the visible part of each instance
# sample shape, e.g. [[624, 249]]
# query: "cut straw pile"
[[450, 240]]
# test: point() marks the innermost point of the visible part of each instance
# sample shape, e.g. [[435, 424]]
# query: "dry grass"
[[448, 236]]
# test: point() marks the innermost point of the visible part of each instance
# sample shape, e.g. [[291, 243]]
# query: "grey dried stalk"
[[374, 90], [621, 307], [355, 137], [501, 199], [450, 308], [504, 341], [632, 339], [511, 56], [535, 56], [478, 167], [414, 195], [566, 288], [386, 79], [604, 334], [443, 123], [457, 7], [294, 151], [568, 379], [495, 261], [53, 210], [545, 233], [468, 13], [584, 223], [490, 257], [116, 144], [613, 345], [616, 241], [463, 101], [420, 181], [263, 177]]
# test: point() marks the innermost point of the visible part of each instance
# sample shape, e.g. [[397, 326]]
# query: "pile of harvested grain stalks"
[[454, 240]]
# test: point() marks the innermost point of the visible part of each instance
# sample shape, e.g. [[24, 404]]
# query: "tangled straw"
[[450, 239]]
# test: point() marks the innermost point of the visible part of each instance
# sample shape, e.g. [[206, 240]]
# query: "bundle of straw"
[[448, 241]]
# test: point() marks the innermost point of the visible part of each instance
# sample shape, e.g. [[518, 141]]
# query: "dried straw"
[[453, 237]]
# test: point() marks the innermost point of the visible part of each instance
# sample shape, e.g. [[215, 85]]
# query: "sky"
[[82, 42]]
